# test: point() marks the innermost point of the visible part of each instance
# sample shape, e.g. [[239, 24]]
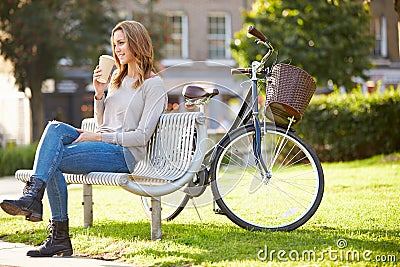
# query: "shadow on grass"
[[199, 243]]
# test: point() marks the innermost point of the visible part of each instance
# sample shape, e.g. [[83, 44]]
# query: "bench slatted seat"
[[174, 154]]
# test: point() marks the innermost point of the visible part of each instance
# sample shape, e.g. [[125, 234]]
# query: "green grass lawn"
[[357, 224]]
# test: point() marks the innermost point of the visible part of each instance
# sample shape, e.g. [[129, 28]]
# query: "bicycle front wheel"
[[281, 202]]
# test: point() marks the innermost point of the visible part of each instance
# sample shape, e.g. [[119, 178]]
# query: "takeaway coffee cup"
[[106, 64]]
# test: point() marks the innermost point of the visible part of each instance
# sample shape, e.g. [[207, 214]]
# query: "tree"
[[156, 23], [397, 6], [329, 39], [36, 34]]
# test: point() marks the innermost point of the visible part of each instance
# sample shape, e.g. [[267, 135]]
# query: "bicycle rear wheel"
[[283, 202]]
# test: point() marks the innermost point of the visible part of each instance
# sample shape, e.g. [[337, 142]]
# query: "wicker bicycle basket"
[[289, 92]]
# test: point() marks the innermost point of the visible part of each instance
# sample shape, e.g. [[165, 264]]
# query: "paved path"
[[10, 188], [14, 255]]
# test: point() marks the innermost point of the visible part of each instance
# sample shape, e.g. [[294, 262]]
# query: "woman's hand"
[[99, 87], [87, 137]]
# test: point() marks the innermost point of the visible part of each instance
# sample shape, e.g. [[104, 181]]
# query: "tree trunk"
[[36, 75], [397, 7], [37, 109]]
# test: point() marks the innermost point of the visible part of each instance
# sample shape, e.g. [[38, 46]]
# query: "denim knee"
[[63, 130], [53, 125]]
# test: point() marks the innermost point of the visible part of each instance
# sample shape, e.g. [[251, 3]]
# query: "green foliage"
[[38, 33], [35, 35], [329, 39], [14, 158], [352, 126]]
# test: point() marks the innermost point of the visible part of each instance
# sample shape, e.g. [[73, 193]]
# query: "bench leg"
[[87, 206], [156, 232]]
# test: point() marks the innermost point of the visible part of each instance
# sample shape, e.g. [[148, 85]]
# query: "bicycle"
[[263, 176]]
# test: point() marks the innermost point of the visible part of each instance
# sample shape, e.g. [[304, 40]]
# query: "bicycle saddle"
[[194, 92]]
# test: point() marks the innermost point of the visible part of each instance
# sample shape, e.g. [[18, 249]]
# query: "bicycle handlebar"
[[261, 37], [240, 71], [256, 33]]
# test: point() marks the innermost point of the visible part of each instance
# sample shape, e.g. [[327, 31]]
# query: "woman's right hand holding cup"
[[99, 87]]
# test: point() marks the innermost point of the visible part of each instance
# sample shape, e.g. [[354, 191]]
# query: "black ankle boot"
[[57, 243], [30, 204]]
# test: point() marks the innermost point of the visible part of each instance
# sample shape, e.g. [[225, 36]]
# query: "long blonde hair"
[[140, 45]]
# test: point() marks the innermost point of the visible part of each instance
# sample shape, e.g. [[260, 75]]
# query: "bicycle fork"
[[260, 163]]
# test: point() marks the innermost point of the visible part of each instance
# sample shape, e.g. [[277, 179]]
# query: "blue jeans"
[[55, 154]]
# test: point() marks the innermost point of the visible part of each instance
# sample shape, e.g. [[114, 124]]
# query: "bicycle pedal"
[[219, 212]]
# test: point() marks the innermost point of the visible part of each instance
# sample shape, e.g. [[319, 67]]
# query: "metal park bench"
[[174, 154]]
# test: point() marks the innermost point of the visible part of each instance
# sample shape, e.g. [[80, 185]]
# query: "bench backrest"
[[89, 124], [171, 148]]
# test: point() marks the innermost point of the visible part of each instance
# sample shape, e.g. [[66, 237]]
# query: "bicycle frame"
[[241, 180], [248, 114]]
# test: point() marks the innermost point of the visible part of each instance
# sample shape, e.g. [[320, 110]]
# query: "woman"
[[126, 117]]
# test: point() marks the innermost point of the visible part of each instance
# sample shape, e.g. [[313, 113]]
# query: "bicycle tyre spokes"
[[283, 202]]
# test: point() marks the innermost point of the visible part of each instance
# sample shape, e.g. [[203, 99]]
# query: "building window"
[[380, 33], [177, 46], [377, 33], [219, 34], [398, 34]]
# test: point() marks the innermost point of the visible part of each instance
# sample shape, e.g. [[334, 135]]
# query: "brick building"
[[198, 52], [199, 49], [385, 56]]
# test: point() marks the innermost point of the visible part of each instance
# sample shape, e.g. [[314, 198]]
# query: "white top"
[[128, 117]]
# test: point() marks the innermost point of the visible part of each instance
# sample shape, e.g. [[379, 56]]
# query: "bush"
[[14, 158], [352, 126]]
